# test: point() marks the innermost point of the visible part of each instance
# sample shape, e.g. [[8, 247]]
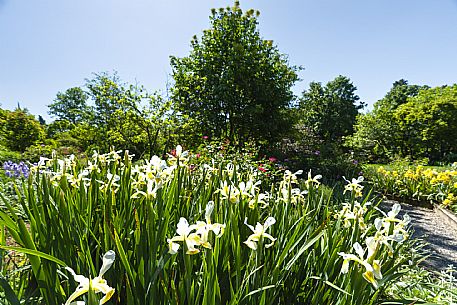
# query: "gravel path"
[[429, 226]]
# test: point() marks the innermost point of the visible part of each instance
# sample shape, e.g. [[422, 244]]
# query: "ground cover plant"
[[426, 286], [172, 232], [420, 183]]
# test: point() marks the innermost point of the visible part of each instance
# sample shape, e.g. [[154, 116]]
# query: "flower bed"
[[416, 184], [173, 232]]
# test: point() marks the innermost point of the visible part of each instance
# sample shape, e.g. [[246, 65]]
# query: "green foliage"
[[58, 127], [8, 155], [125, 116], [410, 121], [34, 152], [429, 122], [76, 212], [234, 84], [399, 95], [20, 130], [326, 114], [70, 106], [428, 286], [329, 112], [120, 115]]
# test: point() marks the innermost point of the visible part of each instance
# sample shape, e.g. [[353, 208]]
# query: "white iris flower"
[[98, 284]]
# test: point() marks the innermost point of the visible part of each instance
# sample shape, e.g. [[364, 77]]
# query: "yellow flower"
[[98, 284], [410, 174], [259, 232], [451, 198], [443, 177], [430, 174]]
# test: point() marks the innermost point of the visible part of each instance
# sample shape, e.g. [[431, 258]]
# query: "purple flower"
[[16, 170]]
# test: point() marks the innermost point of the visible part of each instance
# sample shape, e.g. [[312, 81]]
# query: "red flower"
[[262, 169]]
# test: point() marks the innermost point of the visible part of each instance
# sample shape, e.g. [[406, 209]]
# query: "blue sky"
[[48, 46]]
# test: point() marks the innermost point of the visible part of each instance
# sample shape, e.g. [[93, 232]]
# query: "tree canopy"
[[20, 129], [70, 105], [330, 111], [430, 122], [377, 133], [234, 83], [410, 121]]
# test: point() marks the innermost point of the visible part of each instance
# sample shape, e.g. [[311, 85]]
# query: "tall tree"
[[429, 122], [70, 105], [398, 94], [378, 134], [234, 83], [330, 111], [125, 116]]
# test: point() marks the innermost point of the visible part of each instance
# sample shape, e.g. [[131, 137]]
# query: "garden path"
[[429, 226]]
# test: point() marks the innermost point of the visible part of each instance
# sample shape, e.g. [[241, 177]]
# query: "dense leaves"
[[20, 129], [234, 84], [429, 122], [71, 106], [109, 113], [411, 121], [330, 111]]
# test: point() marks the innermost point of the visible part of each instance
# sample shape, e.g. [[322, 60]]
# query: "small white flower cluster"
[[197, 234], [146, 179], [67, 168], [289, 192], [243, 191], [150, 177]]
